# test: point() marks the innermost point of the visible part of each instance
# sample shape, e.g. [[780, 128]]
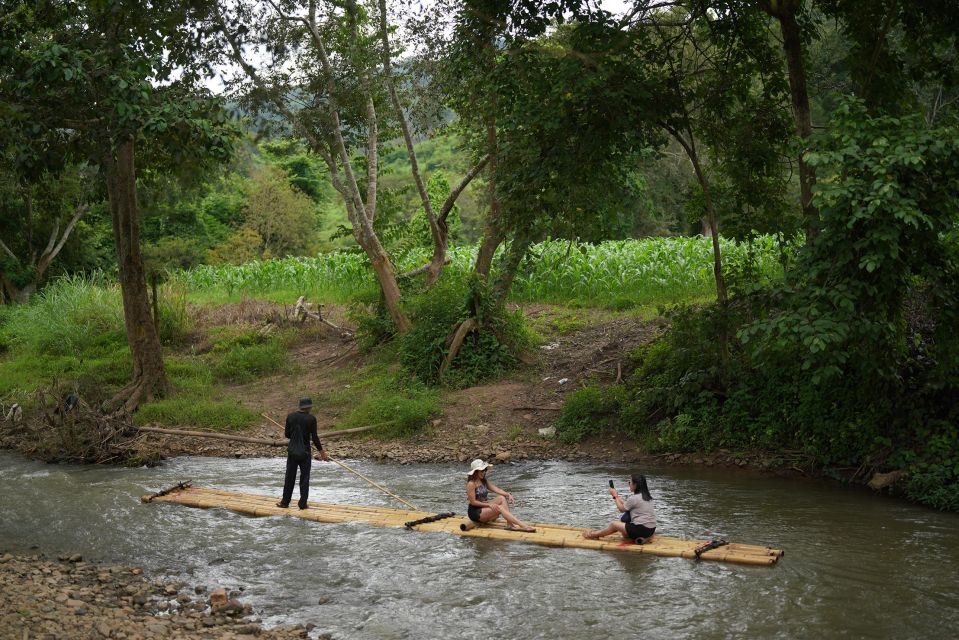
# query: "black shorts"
[[637, 531], [474, 513]]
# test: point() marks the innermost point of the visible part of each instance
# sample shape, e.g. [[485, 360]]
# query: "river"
[[857, 565]]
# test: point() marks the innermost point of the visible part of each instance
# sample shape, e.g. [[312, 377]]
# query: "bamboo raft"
[[551, 535]]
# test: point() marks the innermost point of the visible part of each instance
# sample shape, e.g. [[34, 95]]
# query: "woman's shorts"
[[474, 513], [637, 531]]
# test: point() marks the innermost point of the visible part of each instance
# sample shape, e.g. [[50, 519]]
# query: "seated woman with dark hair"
[[640, 525]]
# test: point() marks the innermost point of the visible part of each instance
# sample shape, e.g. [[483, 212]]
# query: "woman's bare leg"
[[612, 527], [499, 508]]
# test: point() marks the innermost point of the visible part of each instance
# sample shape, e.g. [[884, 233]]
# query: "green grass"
[[378, 395], [199, 402], [197, 413], [248, 355]]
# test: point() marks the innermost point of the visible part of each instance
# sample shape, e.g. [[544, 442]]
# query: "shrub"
[[485, 353], [73, 315], [586, 412]]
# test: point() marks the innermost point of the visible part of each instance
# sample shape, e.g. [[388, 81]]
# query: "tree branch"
[[49, 255], [6, 249], [455, 193]]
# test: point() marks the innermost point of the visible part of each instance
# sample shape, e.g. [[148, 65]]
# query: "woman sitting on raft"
[[640, 525], [481, 509]]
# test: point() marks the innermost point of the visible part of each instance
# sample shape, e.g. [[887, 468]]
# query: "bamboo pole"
[[354, 471]]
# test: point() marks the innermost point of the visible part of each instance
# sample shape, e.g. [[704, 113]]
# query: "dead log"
[[303, 310], [274, 442]]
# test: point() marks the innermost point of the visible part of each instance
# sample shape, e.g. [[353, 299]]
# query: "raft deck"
[[551, 535]]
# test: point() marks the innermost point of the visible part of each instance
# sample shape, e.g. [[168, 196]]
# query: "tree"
[[724, 97], [44, 208], [282, 217], [80, 84], [323, 81], [892, 44]]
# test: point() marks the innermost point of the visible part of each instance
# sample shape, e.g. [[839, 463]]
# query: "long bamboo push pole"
[[354, 471]]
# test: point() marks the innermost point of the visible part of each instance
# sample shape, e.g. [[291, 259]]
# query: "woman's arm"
[[503, 492], [619, 501]]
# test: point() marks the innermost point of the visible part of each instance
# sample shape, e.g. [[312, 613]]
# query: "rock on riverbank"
[[70, 598]]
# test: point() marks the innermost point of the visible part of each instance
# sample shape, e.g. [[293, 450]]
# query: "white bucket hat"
[[477, 465]]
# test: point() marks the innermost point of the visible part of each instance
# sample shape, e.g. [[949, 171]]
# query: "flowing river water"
[[856, 565]]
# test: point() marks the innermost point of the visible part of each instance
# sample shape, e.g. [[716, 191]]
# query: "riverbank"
[[511, 419], [67, 597]]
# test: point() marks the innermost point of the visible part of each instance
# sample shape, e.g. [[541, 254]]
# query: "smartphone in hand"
[[610, 484]]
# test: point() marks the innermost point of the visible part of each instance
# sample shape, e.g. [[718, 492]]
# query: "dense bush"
[[486, 353]]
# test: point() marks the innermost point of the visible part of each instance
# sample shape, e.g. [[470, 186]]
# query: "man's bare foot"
[[590, 534]]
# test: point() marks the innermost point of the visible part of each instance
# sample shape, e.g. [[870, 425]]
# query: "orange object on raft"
[[551, 535]]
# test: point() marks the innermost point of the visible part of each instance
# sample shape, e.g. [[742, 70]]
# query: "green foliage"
[[241, 247], [486, 353], [849, 359], [586, 412], [615, 274], [74, 315], [282, 216], [377, 395]]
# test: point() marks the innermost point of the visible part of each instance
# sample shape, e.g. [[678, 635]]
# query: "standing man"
[[300, 429]]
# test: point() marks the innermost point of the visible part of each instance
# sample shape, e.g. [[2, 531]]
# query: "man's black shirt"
[[301, 427]]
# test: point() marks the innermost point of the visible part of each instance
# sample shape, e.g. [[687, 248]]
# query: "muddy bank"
[[66, 597]]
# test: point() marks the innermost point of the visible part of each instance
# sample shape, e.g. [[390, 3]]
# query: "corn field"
[[608, 274]]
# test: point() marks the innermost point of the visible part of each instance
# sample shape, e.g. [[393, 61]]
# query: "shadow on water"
[[856, 564]]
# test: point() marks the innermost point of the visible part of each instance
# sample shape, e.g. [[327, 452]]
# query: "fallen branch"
[[340, 357], [302, 310], [274, 442], [418, 271], [456, 342]]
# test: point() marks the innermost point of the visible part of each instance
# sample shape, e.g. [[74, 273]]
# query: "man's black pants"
[[292, 464]]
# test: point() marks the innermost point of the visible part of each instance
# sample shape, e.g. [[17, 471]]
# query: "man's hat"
[[305, 403]]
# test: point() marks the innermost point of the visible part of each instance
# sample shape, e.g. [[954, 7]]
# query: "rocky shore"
[[66, 597]]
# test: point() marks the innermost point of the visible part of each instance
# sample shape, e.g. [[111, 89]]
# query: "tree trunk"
[[785, 11], [509, 265], [721, 295], [689, 146], [154, 290], [149, 376], [493, 235], [12, 294], [438, 230], [383, 268]]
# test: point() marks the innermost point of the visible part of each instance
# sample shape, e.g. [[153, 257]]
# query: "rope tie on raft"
[[179, 486], [712, 544], [438, 516]]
